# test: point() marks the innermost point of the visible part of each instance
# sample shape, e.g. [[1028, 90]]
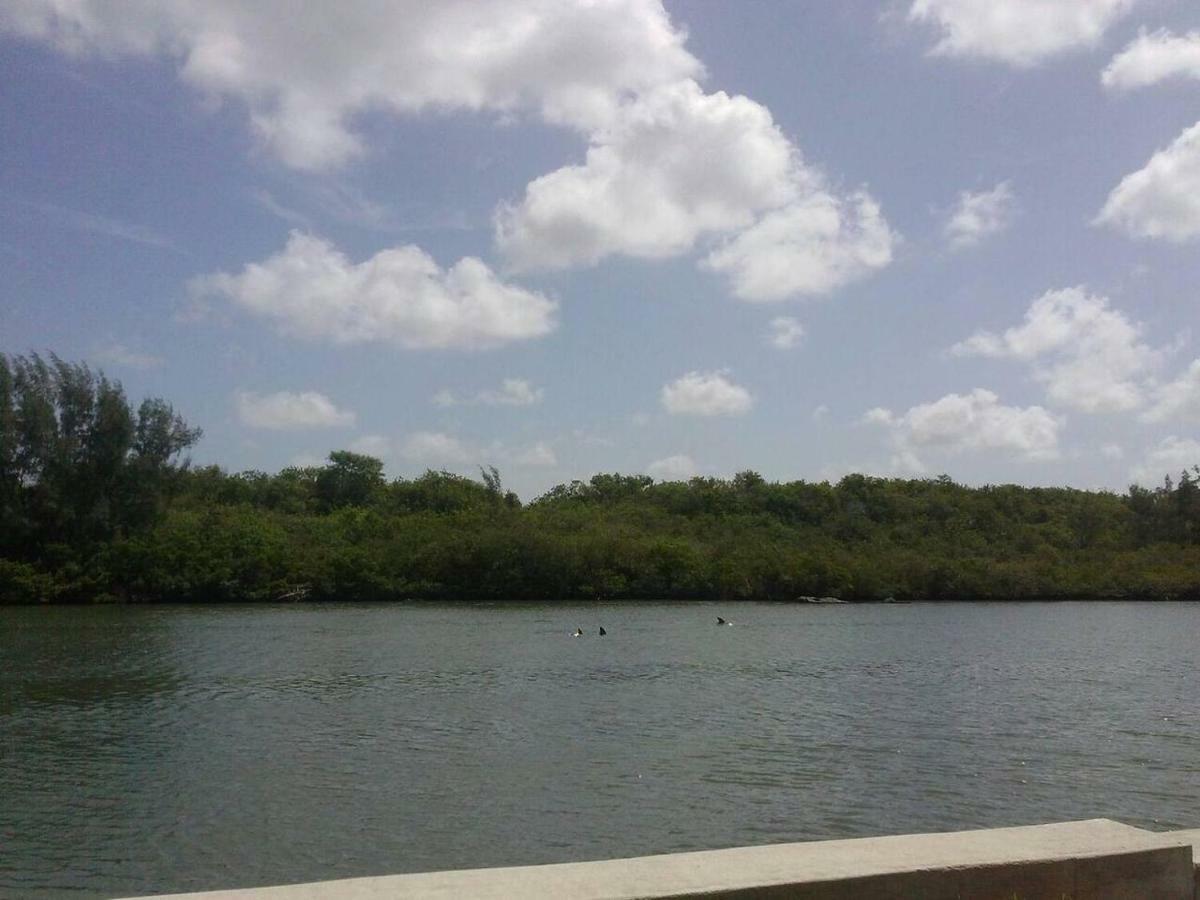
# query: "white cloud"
[[1021, 33], [679, 467], [1178, 400], [959, 423], [592, 439], [118, 354], [435, 448], [372, 445], [674, 164], [400, 295], [1112, 451], [980, 215], [304, 78], [512, 392], [820, 413], [1089, 355], [293, 217], [878, 415], [810, 247], [284, 410], [93, 223], [540, 454], [705, 394], [784, 333], [1171, 456], [667, 163], [1162, 199], [1154, 57]]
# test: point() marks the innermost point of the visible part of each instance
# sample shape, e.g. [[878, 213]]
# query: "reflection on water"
[[149, 750]]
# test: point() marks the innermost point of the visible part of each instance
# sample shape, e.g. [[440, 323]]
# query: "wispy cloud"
[[512, 392], [980, 215], [284, 409], [267, 201], [784, 333], [102, 225], [118, 354], [679, 467]]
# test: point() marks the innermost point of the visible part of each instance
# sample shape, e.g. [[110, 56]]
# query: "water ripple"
[[154, 750]]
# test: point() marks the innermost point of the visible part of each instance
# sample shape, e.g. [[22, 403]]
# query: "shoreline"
[[576, 601]]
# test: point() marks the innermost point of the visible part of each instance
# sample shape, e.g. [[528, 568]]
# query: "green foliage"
[[96, 504], [77, 466], [350, 479]]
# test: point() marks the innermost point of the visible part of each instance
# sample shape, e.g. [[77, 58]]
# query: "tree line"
[[98, 503]]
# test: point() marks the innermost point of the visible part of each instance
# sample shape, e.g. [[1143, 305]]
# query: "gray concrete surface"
[[1096, 859]]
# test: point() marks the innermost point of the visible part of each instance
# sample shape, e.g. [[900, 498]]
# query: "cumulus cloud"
[[705, 394], [679, 467], [1154, 57], [303, 79], [512, 392], [784, 333], [810, 247], [1172, 455], [1162, 199], [400, 295], [1020, 33], [674, 163], [667, 163], [284, 410], [959, 423], [1178, 400], [1090, 356], [980, 215]]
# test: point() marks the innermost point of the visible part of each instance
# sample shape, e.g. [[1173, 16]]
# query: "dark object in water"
[[578, 633], [602, 631], [721, 621]]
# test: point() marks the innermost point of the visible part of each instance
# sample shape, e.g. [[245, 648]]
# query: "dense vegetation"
[[98, 504]]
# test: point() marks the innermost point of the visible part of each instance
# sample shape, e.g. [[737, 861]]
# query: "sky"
[[565, 237]]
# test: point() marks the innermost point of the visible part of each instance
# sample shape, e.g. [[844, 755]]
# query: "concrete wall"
[[1093, 860], [1192, 837]]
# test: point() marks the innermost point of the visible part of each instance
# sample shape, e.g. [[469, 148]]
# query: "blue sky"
[[904, 238]]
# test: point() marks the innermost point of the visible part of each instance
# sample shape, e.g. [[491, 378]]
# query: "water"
[[164, 749]]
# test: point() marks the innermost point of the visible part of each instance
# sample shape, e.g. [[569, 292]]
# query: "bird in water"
[[721, 621], [578, 633], [602, 631]]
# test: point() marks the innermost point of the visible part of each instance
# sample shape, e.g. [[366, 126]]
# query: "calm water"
[[147, 750]]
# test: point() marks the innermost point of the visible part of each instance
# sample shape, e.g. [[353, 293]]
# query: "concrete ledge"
[[1093, 860], [1191, 836]]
